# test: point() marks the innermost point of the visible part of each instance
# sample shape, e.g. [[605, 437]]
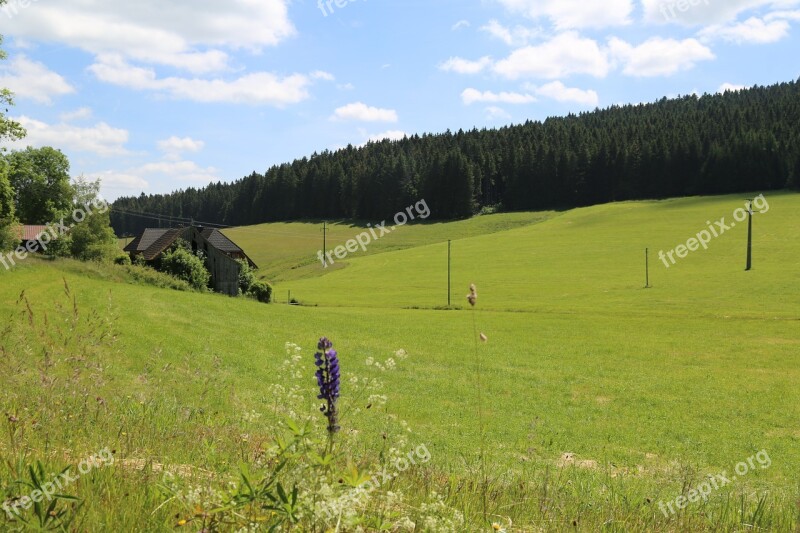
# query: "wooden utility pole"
[[749, 235], [448, 272], [324, 239]]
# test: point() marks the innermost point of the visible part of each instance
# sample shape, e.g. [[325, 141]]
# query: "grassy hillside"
[[288, 251], [598, 398], [591, 261]]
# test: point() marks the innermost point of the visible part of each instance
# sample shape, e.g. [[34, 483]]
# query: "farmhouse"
[[30, 236], [222, 254]]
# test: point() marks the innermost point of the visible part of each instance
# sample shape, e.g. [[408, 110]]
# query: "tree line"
[[36, 189], [740, 141]]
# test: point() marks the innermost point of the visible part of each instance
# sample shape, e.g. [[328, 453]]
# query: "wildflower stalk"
[[328, 380], [472, 298]]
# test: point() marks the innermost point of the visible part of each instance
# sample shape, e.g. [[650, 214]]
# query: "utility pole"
[[448, 273], [324, 238], [647, 267], [749, 235]]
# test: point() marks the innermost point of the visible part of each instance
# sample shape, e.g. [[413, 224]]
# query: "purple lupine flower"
[[328, 380]]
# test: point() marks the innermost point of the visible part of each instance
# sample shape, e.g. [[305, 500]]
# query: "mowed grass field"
[[599, 398], [288, 251]]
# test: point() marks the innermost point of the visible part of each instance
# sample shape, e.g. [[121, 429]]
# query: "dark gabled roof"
[[133, 246], [145, 240], [219, 241], [153, 242], [166, 240]]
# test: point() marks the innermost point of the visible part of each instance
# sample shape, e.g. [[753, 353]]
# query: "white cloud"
[[460, 24], [364, 113], [257, 88], [322, 75], [496, 113], [185, 35], [177, 145], [659, 57], [558, 91], [470, 96], [32, 80], [165, 171], [182, 170], [703, 12], [565, 54], [566, 14], [100, 139], [725, 87], [392, 135], [110, 179], [168, 170], [465, 66], [516, 36], [752, 30], [83, 113], [783, 15]]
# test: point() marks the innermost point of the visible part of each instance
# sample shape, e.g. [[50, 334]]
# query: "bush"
[[184, 265], [9, 238], [247, 277], [262, 291], [124, 259], [93, 239], [60, 247], [148, 276]]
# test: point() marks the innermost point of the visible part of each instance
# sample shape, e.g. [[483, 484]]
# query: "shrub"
[[262, 291], [124, 259], [93, 239], [9, 238], [148, 276], [247, 277], [184, 265], [60, 247]]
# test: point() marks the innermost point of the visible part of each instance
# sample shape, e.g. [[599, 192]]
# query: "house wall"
[[224, 272], [224, 269]]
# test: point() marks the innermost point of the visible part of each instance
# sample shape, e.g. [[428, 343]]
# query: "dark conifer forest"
[[693, 145]]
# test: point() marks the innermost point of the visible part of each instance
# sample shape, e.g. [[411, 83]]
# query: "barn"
[[222, 255], [31, 237]]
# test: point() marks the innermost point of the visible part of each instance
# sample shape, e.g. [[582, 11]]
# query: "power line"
[[168, 218], [183, 220]]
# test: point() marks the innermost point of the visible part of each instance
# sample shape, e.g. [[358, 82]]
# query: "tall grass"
[[208, 460]]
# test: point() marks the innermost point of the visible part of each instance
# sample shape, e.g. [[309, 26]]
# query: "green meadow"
[[592, 400]]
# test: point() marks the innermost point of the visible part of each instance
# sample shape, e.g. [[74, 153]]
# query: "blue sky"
[[157, 95]]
